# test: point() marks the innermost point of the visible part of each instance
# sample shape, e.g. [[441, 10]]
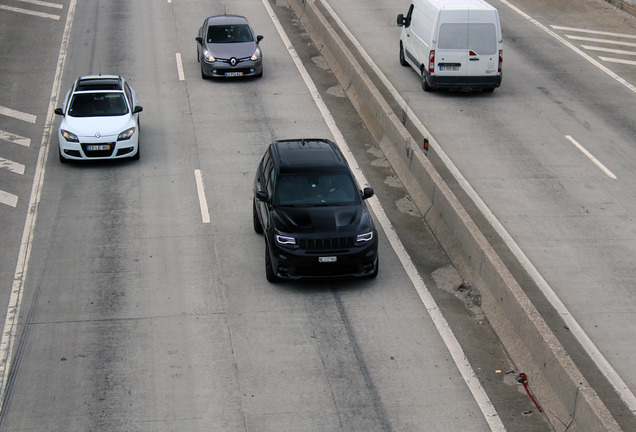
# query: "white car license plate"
[[97, 147], [233, 74], [449, 68], [327, 259]]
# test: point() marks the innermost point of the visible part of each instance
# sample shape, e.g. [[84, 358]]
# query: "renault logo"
[[97, 134], [233, 61]]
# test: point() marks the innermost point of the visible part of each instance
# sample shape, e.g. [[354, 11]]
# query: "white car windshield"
[[98, 105]]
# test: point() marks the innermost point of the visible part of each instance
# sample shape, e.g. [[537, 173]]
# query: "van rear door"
[[451, 55], [483, 53]]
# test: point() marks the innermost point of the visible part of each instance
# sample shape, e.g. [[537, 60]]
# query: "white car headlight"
[[69, 136], [126, 134]]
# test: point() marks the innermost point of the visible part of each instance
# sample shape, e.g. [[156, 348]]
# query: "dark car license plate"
[[233, 74]]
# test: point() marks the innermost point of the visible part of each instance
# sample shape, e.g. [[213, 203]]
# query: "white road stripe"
[[15, 139], [446, 333], [30, 12], [587, 57], [29, 118], [605, 41], [615, 60], [14, 167], [43, 3], [8, 198], [591, 157], [609, 50], [604, 33], [203, 202], [180, 67], [17, 290]]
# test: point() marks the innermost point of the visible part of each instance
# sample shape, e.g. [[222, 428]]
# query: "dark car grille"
[[326, 243], [98, 153]]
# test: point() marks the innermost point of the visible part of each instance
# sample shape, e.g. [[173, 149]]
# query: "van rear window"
[[479, 37]]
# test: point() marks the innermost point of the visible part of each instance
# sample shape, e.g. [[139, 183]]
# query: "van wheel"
[[425, 86], [403, 61]]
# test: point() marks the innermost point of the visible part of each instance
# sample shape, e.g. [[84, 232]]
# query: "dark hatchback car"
[[312, 212], [227, 47]]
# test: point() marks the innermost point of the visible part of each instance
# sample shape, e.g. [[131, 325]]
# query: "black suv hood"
[[323, 221]]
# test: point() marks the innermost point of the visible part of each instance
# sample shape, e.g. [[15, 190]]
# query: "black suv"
[[313, 214]]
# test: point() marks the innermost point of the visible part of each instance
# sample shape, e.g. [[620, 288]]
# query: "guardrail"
[[533, 347]]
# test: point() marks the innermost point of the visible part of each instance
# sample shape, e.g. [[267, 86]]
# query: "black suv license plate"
[[327, 259]]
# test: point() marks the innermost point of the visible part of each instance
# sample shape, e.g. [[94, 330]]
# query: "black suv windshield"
[[98, 104], [309, 189]]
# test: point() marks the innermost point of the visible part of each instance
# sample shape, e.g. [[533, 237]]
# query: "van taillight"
[[500, 60], [431, 61]]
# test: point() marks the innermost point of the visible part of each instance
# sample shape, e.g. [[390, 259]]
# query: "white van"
[[453, 44]]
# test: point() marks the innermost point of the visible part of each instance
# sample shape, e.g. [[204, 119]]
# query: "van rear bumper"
[[463, 82]]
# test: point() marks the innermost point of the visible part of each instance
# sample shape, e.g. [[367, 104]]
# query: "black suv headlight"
[[285, 240], [364, 238]]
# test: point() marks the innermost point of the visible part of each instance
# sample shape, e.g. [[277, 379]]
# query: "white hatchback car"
[[100, 120]]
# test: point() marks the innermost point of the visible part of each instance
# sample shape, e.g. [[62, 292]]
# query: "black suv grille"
[[326, 243]]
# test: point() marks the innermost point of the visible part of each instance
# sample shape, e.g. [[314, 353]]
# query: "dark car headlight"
[[256, 55], [69, 136], [285, 240], [364, 238], [126, 134]]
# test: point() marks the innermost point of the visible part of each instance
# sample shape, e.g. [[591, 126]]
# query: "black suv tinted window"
[[316, 189]]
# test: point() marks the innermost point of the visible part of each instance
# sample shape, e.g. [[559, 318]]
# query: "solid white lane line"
[[616, 60], [605, 41], [15, 139], [15, 298], [43, 3], [568, 44], [604, 33], [30, 12], [591, 157], [8, 198], [446, 333], [203, 202], [601, 362], [14, 167], [180, 67], [609, 50], [29, 118]]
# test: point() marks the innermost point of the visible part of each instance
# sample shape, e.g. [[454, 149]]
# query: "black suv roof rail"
[[98, 83]]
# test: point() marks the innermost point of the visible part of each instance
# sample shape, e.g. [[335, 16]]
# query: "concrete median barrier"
[[556, 381]]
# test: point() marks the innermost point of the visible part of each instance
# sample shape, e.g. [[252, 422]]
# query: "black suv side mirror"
[[259, 38], [262, 196], [367, 193], [199, 39], [59, 111]]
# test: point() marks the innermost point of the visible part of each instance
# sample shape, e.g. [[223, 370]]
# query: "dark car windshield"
[[316, 189], [97, 105], [229, 33]]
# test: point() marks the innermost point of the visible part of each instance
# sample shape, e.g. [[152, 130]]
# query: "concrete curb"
[[628, 6], [569, 402]]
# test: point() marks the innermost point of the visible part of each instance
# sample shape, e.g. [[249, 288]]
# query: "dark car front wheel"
[[258, 228], [269, 270]]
